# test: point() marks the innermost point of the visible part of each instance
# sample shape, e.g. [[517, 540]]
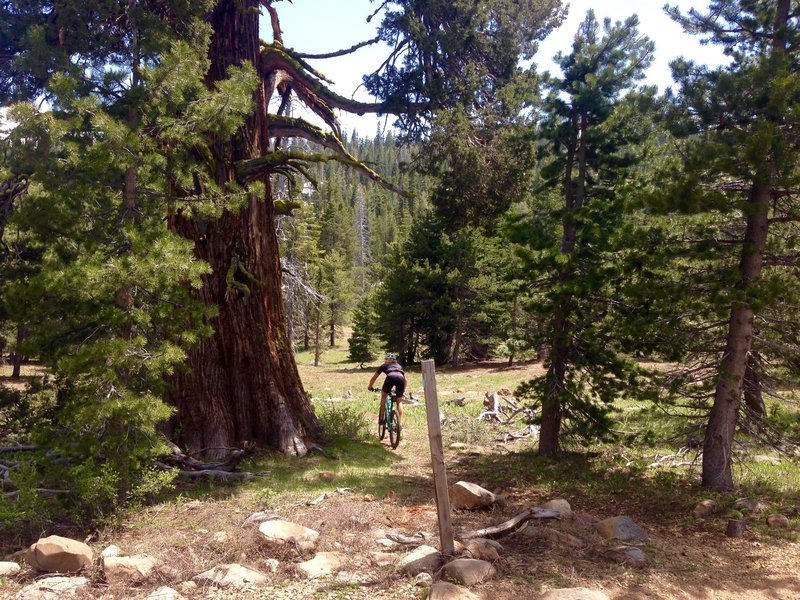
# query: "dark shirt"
[[391, 367]]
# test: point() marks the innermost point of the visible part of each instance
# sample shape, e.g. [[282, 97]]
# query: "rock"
[[750, 505], [111, 550], [53, 588], [272, 564], [56, 554], [423, 580], [186, 587], [230, 576], [326, 475], [324, 563], [705, 508], [441, 590], [775, 521], [767, 459], [628, 555], [561, 505], [220, 537], [129, 569], [584, 520], [382, 559], [468, 571], [257, 518], [386, 543], [482, 549], [574, 594], [278, 531], [553, 537], [735, 528], [165, 593], [468, 495], [459, 446], [8, 569], [347, 578], [621, 528], [424, 558]]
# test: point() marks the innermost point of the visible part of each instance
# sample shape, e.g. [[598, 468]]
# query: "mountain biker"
[[395, 378]]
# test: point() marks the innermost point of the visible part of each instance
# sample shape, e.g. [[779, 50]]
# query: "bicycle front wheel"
[[394, 429]]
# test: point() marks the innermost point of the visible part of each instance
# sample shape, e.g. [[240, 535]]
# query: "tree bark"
[[753, 395], [717, 473], [574, 192], [242, 383], [718, 443]]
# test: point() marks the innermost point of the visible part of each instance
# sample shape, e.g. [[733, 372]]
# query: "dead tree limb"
[[513, 523]]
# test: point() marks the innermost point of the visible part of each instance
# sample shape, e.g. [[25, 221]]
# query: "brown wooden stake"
[[437, 458]]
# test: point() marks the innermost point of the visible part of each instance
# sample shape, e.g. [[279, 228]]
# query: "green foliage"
[[343, 421], [360, 344]]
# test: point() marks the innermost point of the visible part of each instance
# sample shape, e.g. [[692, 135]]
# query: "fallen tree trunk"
[[513, 523]]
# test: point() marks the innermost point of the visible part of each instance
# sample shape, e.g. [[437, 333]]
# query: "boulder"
[[750, 505], [165, 593], [628, 555], [441, 590], [584, 520], [129, 569], [705, 508], [424, 558], [111, 550], [621, 528], [53, 588], [230, 576], [278, 531], [468, 571], [574, 594], [482, 549], [470, 496], [9, 569], [561, 505], [423, 580], [778, 521], [56, 554], [553, 537], [323, 564]]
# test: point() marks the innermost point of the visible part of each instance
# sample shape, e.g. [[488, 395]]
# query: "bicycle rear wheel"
[[381, 427], [394, 429]]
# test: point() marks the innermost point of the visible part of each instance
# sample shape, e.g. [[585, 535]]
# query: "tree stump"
[[735, 528]]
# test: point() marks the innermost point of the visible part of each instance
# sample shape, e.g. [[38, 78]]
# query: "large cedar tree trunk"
[[242, 383]]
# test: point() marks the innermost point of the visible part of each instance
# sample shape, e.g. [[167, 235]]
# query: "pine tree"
[[360, 343], [593, 123], [740, 167]]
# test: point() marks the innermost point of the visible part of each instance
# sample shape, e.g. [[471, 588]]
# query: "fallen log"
[[12, 449], [179, 459], [513, 523]]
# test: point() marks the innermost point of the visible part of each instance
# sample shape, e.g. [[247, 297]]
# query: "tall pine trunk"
[[718, 443], [574, 195], [242, 383]]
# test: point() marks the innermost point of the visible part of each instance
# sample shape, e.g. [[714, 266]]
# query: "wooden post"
[[437, 458]]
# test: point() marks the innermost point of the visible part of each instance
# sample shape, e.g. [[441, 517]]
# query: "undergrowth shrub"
[[343, 421]]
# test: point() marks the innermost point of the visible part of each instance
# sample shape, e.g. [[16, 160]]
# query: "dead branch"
[[181, 460], [12, 449], [349, 50], [513, 523]]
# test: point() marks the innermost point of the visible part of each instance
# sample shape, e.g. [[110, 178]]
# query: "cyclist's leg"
[[399, 385]]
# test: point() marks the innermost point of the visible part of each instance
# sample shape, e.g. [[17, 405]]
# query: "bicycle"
[[391, 420]]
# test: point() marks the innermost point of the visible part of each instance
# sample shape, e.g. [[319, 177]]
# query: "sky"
[[317, 26]]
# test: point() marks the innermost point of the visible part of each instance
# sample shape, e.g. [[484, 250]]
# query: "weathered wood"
[[12, 449], [437, 458], [513, 523], [179, 459]]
